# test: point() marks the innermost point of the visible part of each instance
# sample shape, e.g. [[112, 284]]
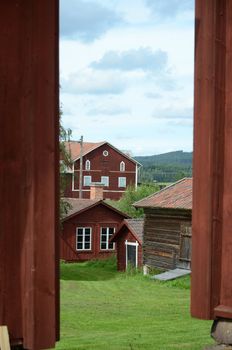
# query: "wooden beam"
[[212, 185]]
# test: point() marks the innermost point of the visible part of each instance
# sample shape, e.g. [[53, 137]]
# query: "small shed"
[[87, 229], [168, 226], [129, 240]]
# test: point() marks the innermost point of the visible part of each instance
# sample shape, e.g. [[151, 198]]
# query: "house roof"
[[135, 226], [80, 205], [73, 147], [175, 196]]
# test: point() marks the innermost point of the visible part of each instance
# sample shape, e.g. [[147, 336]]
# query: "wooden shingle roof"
[[134, 225], [175, 196], [80, 205]]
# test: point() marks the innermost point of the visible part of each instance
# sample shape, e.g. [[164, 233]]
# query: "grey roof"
[[136, 225]]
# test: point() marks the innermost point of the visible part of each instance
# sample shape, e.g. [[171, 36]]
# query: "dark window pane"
[[79, 245], [104, 230], [79, 239], [103, 245], [80, 231], [87, 238], [111, 245], [87, 245], [111, 231], [87, 231], [104, 238]]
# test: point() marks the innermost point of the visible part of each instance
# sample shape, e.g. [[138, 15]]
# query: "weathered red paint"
[[211, 294], [96, 217], [28, 180]]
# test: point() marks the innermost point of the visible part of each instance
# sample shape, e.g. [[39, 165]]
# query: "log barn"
[[129, 240], [87, 229], [167, 226]]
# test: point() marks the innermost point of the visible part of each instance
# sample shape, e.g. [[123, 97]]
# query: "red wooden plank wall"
[[28, 171], [211, 294]]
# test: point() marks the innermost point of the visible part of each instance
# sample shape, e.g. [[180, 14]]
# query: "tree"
[[133, 195], [64, 164]]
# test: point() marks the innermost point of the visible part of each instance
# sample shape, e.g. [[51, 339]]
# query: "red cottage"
[[129, 239], [87, 230], [102, 163]]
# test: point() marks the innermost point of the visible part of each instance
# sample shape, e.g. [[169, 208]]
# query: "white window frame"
[[87, 165], [122, 166], [107, 239], [106, 183], [83, 243], [136, 244], [87, 177], [119, 181]]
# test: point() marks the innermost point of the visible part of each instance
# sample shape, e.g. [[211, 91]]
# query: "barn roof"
[[135, 226], [73, 147], [78, 206], [175, 196]]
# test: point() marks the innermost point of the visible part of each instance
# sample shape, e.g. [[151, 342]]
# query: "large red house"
[[101, 163], [87, 229]]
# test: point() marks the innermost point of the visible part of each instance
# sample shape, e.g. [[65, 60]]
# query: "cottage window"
[[122, 166], [83, 238], [106, 234], [87, 180], [87, 165], [122, 182], [105, 153], [105, 180]]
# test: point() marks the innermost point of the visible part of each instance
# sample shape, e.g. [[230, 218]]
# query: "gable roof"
[[135, 226], [73, 147], [78, 206], [175, 196]]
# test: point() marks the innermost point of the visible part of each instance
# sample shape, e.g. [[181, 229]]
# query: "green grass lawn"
[[103, 309]]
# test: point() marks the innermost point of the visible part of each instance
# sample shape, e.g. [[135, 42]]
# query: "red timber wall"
[[124, 235], [104, 166], [211, 294], [29, 161], [96, 217]]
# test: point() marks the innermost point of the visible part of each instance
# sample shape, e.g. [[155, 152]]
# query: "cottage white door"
[[131, 254]]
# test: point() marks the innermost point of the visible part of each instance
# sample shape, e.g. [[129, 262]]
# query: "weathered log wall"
[[162, 233]]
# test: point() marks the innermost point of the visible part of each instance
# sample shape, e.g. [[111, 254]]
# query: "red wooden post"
[[29, 171], [212, 187]]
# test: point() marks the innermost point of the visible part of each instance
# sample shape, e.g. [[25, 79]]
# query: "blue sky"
[[127, 73]]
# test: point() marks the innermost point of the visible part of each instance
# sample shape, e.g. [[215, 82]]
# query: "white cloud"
[[86, 20], [143, 58]]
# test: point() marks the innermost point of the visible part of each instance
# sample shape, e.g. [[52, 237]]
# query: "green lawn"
[[105, 310]]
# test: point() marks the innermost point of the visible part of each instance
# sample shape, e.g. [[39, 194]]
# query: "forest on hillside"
[[167, 167]]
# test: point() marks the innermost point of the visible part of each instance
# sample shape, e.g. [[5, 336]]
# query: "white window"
[[105, 153], [122, 166], [83, 238], [87, 180], [87, 165], [106, 234], [105, 180], [122, 182]]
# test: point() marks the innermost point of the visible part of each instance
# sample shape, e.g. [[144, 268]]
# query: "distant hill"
[[177, 157], [166, 167]]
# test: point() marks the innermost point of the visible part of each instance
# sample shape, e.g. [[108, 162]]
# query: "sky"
[[126, 73]]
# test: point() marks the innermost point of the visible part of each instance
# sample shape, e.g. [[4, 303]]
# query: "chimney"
[[96, 190]]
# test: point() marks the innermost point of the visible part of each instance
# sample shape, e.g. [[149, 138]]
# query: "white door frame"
[[136, 244]]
